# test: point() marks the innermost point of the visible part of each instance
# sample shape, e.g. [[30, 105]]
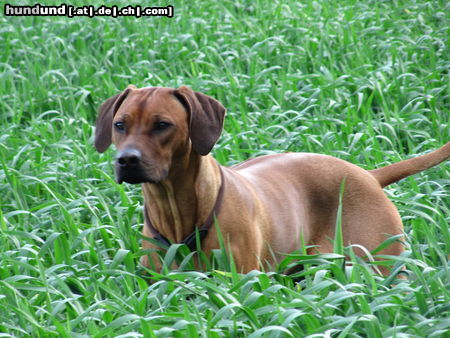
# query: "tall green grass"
[[365, 81]]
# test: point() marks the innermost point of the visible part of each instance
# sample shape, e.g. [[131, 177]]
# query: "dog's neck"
[[179, 203]]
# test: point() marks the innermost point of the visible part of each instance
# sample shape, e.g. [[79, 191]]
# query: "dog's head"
[[152, 127]]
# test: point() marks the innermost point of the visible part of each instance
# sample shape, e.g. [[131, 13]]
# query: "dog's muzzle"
[[129, 167]]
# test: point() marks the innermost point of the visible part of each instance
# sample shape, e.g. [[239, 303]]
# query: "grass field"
[[365, 81]]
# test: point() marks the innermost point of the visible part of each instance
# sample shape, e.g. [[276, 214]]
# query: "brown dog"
[[265, 206]]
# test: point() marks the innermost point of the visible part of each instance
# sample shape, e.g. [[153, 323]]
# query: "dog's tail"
[[395, 172]]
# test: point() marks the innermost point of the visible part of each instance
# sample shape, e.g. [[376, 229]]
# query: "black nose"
[[129, 158]]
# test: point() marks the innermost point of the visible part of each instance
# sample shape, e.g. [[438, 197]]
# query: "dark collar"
[[203, 229]]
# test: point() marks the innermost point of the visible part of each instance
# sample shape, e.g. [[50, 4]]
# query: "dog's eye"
[[120, 126], [159, 126]]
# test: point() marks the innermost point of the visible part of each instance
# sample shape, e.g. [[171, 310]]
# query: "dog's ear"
[[206, 118], [103, 125]]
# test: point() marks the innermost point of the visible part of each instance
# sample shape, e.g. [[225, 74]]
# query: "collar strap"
[[190, 240]]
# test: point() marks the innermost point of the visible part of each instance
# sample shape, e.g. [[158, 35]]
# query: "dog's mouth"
[[137, 176]]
